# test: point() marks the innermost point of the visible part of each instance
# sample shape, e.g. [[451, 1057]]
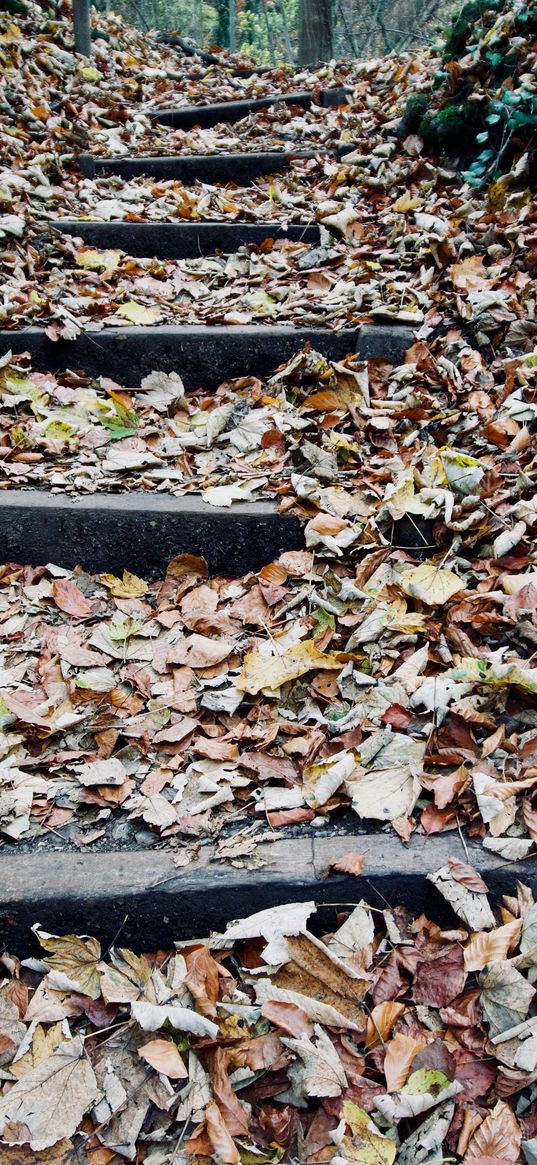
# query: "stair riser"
[[203, 356], [229, 112], [141, 532], [182, 240], [153, 903]]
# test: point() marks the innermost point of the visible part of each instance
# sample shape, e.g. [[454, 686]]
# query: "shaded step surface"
[[182, 240], [241, 169], [203, 356], [141, 532], [144, 896], [232, 111]]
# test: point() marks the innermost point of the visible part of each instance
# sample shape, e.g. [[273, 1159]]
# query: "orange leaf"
[[484, 947], [349, 863], [164, 1057], [221, 1140], [400, 1053], [323, 402], [202, 979], [382, 1019]]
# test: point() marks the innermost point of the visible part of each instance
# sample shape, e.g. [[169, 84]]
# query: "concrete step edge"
[[151, 902]]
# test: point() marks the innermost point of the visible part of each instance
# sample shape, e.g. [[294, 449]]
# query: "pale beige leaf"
[[50, 1101], [432, 584], [322, 1071]]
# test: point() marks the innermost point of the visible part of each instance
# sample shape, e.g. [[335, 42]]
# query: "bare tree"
[[315, 31]]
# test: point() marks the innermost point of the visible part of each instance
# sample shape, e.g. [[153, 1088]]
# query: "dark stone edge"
[[181, 240], [204, 356], [141, 532], [229, 112]]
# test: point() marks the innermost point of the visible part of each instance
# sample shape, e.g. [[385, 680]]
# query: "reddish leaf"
[[69, 598]]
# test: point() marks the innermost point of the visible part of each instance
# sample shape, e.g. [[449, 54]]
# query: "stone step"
[[229, 112], [241, 169], [141, 531], [182, 240], [203, 356], [141, 893]]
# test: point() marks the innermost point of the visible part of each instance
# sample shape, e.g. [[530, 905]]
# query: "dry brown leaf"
[[221, 1141], [467, 876], [311, 972], [198, 651], [64, 1152], [202, 979], [69, 598]]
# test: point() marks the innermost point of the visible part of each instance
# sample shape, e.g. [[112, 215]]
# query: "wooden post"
[[81, 21]]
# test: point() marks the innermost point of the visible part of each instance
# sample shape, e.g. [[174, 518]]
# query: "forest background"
[[293, 32]]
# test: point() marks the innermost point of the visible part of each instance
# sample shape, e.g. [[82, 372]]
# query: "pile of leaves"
[[391, 1038], [484, 101]]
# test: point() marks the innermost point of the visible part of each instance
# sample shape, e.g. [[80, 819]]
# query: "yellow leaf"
[[484, 947], [262, 671], [381, 1021], [90, 73], [93, 260], [136, 313], [13, 33], [128, 587], [431, 584], [366, 1144], [76, 958], [406, 202], [44, 1043], [164, 1057]]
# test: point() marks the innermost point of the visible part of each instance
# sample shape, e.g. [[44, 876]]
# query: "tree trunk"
[[315, 35]]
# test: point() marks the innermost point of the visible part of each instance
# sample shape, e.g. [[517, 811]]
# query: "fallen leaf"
[[137, 313], [73, 962], [164, 1057], [400, 1052], [128, 587], [69, 598], [432, 584], [50, 1101], [498, 1136], [349, 863], [269, 672]]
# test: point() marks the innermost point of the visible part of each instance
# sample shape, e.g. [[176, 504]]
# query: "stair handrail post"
[[82, 26]]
